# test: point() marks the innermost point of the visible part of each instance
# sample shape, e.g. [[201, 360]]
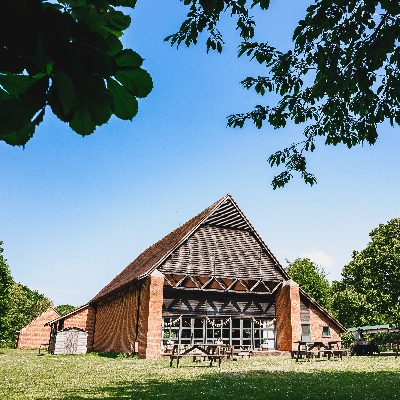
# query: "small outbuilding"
[[72, 340], [80, 319], [36, 333]]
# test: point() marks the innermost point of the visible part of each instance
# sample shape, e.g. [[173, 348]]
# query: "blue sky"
[[75, 211]]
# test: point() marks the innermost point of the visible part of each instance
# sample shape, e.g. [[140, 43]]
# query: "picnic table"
[[242, 351], [335, 349], [213, 352], [307, 349]]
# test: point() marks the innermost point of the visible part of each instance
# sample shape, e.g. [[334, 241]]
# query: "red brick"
[[288, 325], [35, 334]]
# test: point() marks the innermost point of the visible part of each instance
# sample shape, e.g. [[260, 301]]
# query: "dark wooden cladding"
[[185, 302], [304, 311], [222, 252]]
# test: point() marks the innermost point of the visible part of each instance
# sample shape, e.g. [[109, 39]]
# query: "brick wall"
[[83, 319], [288, 325], [317, 321], [150, 319], [116, 316], [35, 334], [115, 326]]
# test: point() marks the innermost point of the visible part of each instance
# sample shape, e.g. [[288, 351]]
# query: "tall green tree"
[[369, 292], [66, 54], [312, 279], [340, 79], [5, 283], [19, 305], [25, 305]]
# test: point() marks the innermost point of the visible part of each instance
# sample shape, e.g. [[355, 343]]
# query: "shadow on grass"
[[260, 384]]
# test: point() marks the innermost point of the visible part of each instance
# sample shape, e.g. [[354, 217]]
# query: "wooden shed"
[[81, 318], [70, 340]]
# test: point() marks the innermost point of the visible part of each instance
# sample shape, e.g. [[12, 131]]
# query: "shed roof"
[[374, 328], [153, 256]]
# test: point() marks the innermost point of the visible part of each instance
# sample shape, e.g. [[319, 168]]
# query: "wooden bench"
[[212, 352], [242, 351], [43, 347]]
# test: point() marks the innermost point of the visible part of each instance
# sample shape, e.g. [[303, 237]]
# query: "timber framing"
[[220, 284]]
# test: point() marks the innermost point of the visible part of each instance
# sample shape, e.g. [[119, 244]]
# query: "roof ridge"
[[259, 238]]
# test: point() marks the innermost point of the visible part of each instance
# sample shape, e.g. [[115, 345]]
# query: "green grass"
[[25, 375]]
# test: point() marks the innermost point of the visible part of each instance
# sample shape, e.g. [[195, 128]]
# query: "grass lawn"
[[25, 375]]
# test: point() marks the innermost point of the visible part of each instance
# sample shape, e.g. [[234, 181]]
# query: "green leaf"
[[35, 97], [4, 95], [117, 20], [65, 90], [81, 122], [16, 84], [136, 80], [13, 116], [125, 103], [92, 19], [100, 104], [128, 58], [114, 44], [21, 137]]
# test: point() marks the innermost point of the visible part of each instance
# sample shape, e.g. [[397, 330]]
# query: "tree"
[[369, 292], [64, 309], [19, 305], [67, 55], [312, 279], [340, 80], [5, 283], [25, 305]]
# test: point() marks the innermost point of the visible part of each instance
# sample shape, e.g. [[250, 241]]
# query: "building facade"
[[211, 279]]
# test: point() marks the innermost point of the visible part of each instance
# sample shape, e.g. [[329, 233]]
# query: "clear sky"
[[75, 211]]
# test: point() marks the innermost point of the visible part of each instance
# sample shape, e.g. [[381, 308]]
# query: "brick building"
[[211, 278], [36, 333], [82, 318]]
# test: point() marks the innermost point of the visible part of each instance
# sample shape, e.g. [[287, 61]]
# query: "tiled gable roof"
[[153, 256]]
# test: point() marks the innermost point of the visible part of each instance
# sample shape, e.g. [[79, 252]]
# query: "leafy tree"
[[64, 309], [369, 292], [340, 79], [312, 279], [25, 305], [5, 283], [67, 55], [19, 305]]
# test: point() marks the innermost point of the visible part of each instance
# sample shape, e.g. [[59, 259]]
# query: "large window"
[[305, 332], [264, 334], [258, 333], [242, 331], [170, 330]]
